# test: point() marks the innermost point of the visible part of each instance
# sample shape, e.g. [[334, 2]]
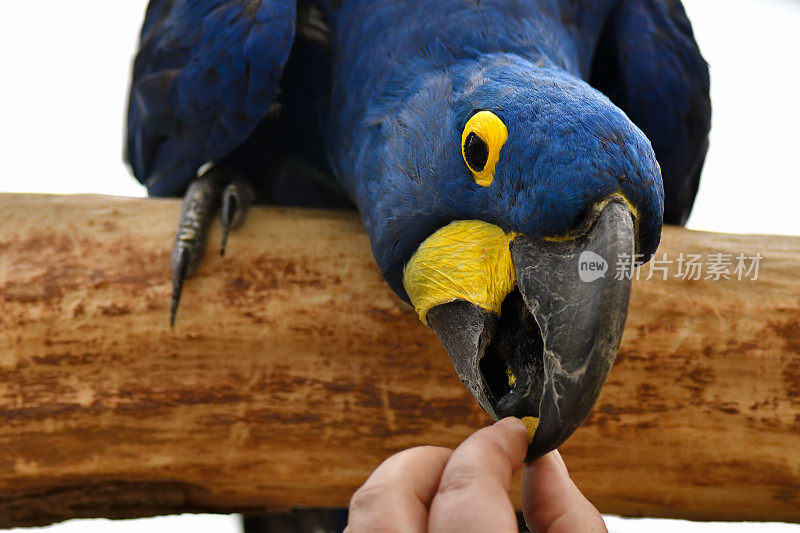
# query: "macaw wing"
[[206, 73], [650, 66]]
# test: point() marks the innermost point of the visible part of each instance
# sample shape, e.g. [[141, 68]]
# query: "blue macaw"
[[492, 148]]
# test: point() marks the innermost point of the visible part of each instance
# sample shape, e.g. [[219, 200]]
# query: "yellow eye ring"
[[483, 138]]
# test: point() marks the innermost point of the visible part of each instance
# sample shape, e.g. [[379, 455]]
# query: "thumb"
[[551, 501]]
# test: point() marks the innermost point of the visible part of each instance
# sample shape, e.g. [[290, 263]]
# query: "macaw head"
[[506, 201]]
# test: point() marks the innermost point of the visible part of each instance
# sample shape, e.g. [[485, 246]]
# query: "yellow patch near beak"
[[466, 260]]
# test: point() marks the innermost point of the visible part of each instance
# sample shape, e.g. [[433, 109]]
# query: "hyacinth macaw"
[[488, 145]]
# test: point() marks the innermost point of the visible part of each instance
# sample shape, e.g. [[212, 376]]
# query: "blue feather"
[[205, 76], [650, 66]]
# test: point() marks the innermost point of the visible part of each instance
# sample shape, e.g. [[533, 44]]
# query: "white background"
[[65, 67]]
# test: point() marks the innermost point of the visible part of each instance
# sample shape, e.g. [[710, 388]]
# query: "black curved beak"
[[548, 353]]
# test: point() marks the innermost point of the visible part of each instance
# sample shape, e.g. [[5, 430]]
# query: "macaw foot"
[[218, 185]]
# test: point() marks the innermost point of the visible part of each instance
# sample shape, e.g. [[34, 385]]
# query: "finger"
[[473, 492], [396, 496], [551, 501]]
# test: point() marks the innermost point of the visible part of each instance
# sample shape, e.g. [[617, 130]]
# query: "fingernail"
[[560, 460]]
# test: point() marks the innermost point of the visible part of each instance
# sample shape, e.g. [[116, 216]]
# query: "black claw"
[[199, 206], [236, 199], [229, 205], [178, 278]]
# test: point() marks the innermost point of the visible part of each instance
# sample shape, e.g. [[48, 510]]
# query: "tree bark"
[[293, 371]]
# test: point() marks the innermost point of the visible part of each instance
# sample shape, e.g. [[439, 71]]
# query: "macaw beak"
[[547, 353]]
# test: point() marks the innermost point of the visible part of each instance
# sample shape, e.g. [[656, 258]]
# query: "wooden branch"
[[293, 371]]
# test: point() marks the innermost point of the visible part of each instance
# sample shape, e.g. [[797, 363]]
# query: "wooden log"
[[293, 371]]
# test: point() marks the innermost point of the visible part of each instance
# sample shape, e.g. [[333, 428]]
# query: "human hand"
[[438, 490]]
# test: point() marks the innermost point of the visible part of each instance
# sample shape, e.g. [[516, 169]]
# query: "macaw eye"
[[476, 152], [483, 138]]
